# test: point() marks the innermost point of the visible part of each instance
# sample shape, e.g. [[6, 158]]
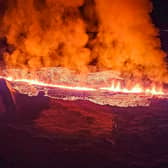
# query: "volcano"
[[83, 83]]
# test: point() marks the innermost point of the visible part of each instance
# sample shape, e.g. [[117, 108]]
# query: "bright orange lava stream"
[[153, 90], [39, 83], [115, 87]]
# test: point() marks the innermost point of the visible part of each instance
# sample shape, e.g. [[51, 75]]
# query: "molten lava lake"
[[45, 132]]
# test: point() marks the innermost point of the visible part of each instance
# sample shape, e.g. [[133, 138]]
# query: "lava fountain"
[[137, 88]]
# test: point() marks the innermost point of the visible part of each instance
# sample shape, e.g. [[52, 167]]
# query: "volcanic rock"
[[7, 98]]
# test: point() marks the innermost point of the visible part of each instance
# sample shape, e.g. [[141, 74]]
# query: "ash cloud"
[[84, 35]]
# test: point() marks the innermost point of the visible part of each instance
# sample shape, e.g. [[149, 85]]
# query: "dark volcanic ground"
[[45, 133]]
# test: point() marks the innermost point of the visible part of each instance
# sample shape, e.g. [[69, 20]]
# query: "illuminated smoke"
[[84, 35]]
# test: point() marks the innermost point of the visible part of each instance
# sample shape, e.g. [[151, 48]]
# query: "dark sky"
[[160, 13], [160, 18]]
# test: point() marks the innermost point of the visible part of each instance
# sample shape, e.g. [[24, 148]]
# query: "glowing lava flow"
[[39, 83], [115, 87]]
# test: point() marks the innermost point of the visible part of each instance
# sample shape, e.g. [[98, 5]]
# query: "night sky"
[[160, 18]]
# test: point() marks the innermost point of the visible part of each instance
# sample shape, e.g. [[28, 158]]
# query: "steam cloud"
[[85, 35]]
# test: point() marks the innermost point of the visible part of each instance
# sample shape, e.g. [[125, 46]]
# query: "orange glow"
[[57, 33], [137, 88], [115, 87], [39, 83]]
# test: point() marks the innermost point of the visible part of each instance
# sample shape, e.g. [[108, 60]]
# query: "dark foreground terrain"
[[47, 133]]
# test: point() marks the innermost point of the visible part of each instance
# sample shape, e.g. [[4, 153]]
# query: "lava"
[[137, 88], [40, 83], [115, 87]]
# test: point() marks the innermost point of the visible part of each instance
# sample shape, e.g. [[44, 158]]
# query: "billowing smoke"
[[84, 35]]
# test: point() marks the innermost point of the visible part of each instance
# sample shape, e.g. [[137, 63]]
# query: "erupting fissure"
[[115, 87]]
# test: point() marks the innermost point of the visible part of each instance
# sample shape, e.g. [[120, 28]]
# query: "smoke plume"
[[84, 35]]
